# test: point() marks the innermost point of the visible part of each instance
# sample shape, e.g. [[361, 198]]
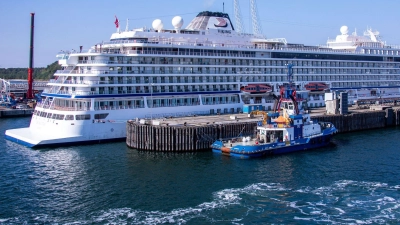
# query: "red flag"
[[116, 22]]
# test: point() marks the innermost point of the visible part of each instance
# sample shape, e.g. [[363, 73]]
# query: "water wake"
[[343, 202]]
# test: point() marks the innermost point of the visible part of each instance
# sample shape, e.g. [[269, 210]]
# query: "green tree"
[[39, 73]]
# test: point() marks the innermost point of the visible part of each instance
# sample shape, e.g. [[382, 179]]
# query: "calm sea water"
[[356, 181]]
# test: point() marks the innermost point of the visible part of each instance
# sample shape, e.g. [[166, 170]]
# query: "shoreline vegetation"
[[39, 73]]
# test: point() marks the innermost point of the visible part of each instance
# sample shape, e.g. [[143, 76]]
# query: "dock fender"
[[226, 149]]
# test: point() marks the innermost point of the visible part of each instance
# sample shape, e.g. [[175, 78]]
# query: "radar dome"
[[157, 24], [177, 22], [344, 30]]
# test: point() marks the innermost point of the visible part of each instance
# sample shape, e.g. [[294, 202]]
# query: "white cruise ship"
[[205, 68]]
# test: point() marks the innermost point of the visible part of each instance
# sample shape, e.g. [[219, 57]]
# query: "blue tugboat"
[[286, 129]]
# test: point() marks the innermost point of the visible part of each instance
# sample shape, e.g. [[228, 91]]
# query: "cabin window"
[[100, 116], [83, 117], [69, 117]]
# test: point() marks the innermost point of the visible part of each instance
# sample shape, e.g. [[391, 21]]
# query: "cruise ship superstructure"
[[205, 68]]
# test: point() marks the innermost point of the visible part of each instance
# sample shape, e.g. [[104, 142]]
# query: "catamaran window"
[[82, 117], [69, 117], [100, 116], [49, 115]]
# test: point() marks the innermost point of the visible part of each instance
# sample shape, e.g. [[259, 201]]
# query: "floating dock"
[[198, 133]]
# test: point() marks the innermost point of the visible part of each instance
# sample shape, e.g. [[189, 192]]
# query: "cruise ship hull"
[[24, 136], [44, 132]]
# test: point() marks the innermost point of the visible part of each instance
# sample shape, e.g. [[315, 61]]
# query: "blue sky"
[[65, 25]]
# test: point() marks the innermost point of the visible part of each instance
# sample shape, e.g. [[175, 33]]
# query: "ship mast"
[[288, 91], [254, 18], [257, 30], [238, 17]]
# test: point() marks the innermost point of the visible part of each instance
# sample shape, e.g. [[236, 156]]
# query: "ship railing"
[[66, 71], [185, 42], [176, 115], [322, 48], [393, 46], [174, 105], [81, 93], [218, 103], [109, 62], [71, 82], [42, 105], [61, 92], [118, 107], [149, 52], [63, 108]]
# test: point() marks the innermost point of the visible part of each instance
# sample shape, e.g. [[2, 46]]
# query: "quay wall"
[[355, 122], [363, 120], [15, 113], [201, 136], [183, 138]]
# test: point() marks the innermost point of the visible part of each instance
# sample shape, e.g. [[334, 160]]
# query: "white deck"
[[34, 138]]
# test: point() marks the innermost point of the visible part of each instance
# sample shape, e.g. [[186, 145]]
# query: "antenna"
[[127, 25], [254, 17], [238, 17], [223, 6]]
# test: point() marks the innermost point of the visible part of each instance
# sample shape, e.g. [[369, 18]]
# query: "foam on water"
[[343, 202]]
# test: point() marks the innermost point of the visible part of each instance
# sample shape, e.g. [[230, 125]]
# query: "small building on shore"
[[18, 88]]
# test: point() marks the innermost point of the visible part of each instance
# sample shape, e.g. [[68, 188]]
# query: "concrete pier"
[[15, 113], [198, 133], [188, 133]]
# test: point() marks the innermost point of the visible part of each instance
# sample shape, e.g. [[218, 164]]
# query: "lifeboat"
[[256, 89], [316, 86]]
